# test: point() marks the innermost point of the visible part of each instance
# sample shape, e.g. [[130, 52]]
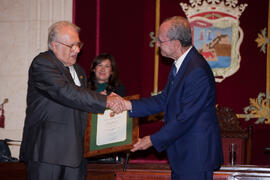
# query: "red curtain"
[[124, 28]]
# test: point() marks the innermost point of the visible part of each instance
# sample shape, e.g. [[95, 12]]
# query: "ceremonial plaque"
[[109, 132]]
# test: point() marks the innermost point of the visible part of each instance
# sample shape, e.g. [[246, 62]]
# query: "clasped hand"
[[117, 104]]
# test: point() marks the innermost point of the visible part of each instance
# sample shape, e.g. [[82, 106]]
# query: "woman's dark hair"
[[113, 81]]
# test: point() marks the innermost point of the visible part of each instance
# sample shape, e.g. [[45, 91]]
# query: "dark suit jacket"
[[56, 112], [191, 134]]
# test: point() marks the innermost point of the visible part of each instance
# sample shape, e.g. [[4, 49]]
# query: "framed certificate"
[[109, 132]]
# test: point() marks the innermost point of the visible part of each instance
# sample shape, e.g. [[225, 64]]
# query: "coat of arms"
[[217, 33]]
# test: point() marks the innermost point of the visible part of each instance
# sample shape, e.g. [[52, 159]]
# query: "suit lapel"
[[68, 75], [80, 75], [61, 66], [180, 74]]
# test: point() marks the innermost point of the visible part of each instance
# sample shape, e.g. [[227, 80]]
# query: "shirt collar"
[[180, 60]]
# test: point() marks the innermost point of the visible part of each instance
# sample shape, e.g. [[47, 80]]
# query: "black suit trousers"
[[46, 171]]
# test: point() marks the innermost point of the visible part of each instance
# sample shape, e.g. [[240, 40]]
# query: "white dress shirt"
[[74, 76], [180, 60]]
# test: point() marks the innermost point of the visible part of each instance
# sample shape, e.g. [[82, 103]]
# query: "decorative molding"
[[262, 40], [229, 123], [260, 107], [199, 7], [154, 39]]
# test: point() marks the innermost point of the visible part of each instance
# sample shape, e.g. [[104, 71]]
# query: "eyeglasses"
[[72, 46], [160, 42]]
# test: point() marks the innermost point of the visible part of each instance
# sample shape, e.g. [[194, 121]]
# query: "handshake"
[[118, 104]]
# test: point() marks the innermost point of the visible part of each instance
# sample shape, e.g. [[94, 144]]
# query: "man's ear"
[[177, 44], [53, 45]]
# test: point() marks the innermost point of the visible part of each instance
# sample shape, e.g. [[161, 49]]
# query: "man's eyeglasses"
[[72, 46], [160, 42]]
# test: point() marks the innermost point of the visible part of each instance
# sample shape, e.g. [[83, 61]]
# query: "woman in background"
[[104, 79], [104, 76]]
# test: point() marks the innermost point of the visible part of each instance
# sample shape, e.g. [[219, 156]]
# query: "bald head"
[[179, 29], [56, 28]]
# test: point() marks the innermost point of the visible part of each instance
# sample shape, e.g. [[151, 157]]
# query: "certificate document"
[[111, 127], [110, 132]]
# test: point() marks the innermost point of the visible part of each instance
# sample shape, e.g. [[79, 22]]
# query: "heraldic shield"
[[217, 33]]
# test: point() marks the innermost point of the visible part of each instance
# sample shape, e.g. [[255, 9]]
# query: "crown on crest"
[[200, 7]]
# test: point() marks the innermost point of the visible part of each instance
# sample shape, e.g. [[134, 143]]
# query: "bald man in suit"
[[191, 134]]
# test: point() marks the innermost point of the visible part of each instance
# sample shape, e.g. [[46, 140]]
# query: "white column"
[[24, 30]]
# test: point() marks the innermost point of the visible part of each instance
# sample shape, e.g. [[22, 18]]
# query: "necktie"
[[68, 71], [67, 68], [174, 70], [74, 76], [173, 74]]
